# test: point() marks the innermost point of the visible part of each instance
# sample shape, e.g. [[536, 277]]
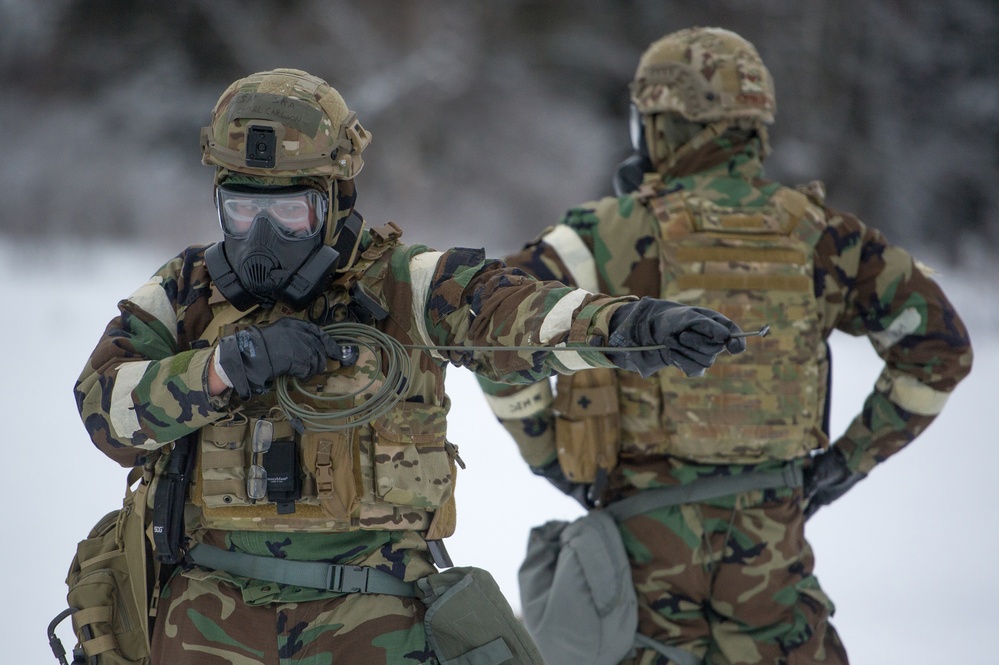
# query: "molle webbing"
[[754, 265], [310, 574]]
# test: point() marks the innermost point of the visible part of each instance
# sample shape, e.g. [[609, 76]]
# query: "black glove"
[[554, 474], [691, 336], [826, 479], [254, 357]]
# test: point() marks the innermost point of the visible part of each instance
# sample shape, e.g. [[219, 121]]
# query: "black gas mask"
[[273, 248], [631, 171]]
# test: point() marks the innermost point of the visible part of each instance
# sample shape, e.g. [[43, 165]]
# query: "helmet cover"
[[284, 123], [704, 75]]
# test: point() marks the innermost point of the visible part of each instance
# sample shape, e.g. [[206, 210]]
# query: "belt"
[[705, 489], [311, 574]]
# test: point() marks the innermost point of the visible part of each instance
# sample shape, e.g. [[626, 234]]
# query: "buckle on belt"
[[347, 579]]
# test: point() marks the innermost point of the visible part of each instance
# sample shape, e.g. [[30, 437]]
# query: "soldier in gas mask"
[[711, 481], [283, 393]]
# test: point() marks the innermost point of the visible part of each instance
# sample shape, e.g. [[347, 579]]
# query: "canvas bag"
[[576, 591], [470, 622], [107, 583]]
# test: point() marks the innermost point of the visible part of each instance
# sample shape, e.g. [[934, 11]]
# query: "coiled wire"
[[392, 369], [342, 413]]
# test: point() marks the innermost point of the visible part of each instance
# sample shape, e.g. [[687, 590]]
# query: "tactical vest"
[[396, 472], [755, 266]]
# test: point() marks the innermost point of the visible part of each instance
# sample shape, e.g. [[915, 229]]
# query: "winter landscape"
[[489, 120], [907, 555]]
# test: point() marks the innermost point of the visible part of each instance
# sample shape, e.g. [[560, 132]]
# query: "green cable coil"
[[343, 413]]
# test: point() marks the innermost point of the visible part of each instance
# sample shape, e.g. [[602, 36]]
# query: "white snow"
[[906, 556]]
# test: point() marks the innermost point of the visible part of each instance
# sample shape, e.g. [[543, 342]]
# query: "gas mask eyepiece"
[[273, 247]]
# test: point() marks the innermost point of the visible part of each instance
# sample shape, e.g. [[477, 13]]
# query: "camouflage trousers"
[[731, 581], [203, 620]]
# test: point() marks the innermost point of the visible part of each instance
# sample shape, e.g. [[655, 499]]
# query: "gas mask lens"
[[294, 212]]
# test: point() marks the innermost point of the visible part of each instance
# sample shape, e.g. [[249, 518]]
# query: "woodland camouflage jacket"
[[864, 286], [145, 384]]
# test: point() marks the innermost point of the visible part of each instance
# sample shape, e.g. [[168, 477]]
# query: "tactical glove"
[[554, 474], [826, 479], [691, 337], [254, 357]]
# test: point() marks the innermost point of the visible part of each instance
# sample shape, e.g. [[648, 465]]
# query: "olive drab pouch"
[[587, 434], [469, 621], [576, 591], [108, 582]]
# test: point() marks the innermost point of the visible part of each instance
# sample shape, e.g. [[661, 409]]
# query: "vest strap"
[[311, 574], [704, 490]]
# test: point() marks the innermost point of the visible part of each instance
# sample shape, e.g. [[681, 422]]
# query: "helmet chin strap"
[[345, 240]]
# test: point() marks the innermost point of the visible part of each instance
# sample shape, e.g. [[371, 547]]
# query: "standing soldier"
[[283, 392], [718, 558]]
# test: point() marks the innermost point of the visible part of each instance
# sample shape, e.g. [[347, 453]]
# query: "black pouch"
[[284, 480]]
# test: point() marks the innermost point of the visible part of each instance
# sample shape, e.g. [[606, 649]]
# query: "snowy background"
[[907, 556], [489, 119]]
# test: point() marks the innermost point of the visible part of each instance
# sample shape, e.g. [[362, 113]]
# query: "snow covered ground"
[[907, 556]]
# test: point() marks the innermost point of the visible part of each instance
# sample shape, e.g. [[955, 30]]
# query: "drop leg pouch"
[[469, 621]]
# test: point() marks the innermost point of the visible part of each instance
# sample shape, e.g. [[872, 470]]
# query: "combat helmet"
[[690, 87], [284, 122], [282, 134], [704, 75]]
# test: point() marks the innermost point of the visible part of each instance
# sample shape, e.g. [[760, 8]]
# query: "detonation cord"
[[385, 386]]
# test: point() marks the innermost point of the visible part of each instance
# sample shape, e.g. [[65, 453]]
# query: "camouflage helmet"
[[284, 123], [704, 75]]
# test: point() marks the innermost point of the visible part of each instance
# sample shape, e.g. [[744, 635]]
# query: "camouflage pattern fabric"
[[731, 581], [203, 621], [723, 601], [314, 132], [704, 74], [145, 386], [864, 285]]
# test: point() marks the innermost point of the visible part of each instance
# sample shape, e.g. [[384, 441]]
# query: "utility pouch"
[[411, 464], [469, 621], [222, 464], [329, 458], [576, 591], [108, 584], [587, 433], [284, 480]]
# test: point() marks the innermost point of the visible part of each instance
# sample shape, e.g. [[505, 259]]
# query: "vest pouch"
[[411, 464], [329, 459], [469, 621], [108, 620], [223, 458], [642, 431], [587, 433], [576, 591]]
